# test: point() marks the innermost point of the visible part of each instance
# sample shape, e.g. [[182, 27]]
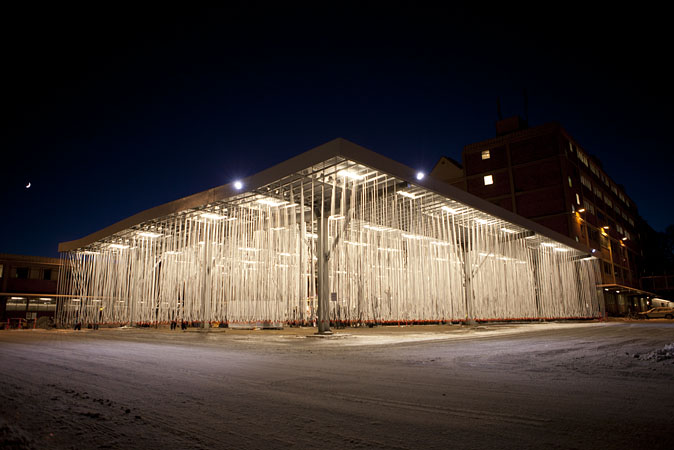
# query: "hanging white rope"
[[395, 254]]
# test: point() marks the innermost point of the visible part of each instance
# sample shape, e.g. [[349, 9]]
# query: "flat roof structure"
[[336, 234]]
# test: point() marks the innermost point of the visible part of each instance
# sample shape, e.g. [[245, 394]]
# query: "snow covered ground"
[[583, 385]]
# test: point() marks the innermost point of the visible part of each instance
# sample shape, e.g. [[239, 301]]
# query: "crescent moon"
[[28, 185]]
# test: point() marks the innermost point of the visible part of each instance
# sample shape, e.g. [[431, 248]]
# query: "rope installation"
[[390, 252]]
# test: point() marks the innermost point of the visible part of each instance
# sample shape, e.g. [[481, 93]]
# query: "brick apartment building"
[[28, 286], [543, 174]]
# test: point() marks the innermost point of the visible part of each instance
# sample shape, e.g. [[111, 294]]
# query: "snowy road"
[[519, 386]]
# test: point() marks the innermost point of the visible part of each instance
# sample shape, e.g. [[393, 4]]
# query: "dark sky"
[[108, 112]]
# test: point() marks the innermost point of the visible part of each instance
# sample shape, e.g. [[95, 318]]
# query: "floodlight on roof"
[[420, 175], [238, 185]]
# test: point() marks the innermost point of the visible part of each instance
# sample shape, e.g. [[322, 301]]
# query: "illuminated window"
[[578, 199], [486, 154], [488, 179]]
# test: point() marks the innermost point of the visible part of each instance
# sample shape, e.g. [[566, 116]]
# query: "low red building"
[[28, 286]]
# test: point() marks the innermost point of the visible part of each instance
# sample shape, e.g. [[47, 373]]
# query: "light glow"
[[271, 202], [213, 216], [149, 234], [349, 174], [407, 194], [374, 228]]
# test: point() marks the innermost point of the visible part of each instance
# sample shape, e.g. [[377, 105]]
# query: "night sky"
[[110, 112]]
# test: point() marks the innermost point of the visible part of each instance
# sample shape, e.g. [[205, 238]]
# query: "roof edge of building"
[[336, 147], [30, 258]]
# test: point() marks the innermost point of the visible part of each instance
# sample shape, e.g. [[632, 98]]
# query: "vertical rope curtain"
[[397, 254]]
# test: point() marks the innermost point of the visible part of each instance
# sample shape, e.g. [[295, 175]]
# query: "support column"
[[537, 285], [323, 312], [206, 280], [468, 283]]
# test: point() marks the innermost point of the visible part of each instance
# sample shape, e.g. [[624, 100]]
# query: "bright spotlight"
[[238, 185], [420, 175]]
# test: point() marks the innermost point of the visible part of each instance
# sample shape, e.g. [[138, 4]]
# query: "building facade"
[[28, 286], [542, 173]]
